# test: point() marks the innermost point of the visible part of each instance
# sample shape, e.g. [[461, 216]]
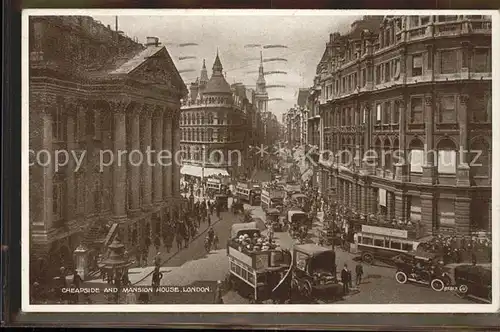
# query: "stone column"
[[158, 168], [462, 214], [428, 206], [402, 167], [463, 168], [71, 167], [145, 134], [91, 159], [167, 145], [390, 205], [41, 184], [429, 168], [176, 140], [363, 198], [120, 162], [135, 165]]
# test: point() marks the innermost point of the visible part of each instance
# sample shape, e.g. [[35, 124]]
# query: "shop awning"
[[197, 171]]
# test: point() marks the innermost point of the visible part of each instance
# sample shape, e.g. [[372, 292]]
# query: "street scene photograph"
[[246, 158]]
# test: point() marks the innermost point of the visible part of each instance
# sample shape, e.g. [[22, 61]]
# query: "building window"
[[481, 60], [363, 77], [57, 200], [480, 163], [479, 109], [379, 113], [377, 75], [424, 20], [416, 156], [415, 209], [387, 72], [448, 62], [447, 157], [397, 69], [355, 81], [446, 212], [447, 113], [417, 65], [417, 112], [387, 112]]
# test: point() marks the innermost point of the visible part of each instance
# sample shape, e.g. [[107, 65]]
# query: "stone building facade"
[[415, 91], [95, 92], [213, 127]]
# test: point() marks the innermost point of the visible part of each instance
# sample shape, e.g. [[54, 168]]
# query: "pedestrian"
[[158, 259], [157, 242], [359, 273], [216, 242], [209, 221], [218, 293], [344, 276], [77, 280], [157, 276]]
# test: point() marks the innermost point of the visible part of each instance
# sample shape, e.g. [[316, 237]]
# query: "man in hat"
[[344, 276]]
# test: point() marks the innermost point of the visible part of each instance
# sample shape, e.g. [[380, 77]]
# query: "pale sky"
[[304, 37]]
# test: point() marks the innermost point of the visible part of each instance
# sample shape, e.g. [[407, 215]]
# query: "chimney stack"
[[152, 41]]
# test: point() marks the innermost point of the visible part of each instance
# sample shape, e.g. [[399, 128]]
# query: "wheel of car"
[[367, 258], [437, 285], [307, 289], [401, 277]]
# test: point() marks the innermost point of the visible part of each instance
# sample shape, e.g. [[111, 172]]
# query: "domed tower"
[[217, 86], [261, 97]]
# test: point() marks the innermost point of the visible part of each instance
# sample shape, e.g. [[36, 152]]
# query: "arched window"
[[210, 118], [198, 118], [480, 157], [416, 155], [447, 157]]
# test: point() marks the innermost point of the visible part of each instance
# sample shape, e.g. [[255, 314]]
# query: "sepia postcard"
[[259, 161]]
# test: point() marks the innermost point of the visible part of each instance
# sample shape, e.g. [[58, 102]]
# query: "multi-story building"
[[92, 89], [419, 86], [296, 120], [213, 127]]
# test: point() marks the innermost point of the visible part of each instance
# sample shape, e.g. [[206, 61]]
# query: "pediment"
[[160, 71]]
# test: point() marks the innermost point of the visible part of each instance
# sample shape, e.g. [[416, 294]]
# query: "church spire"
[[217, 67], [261, 81], [204, 74]]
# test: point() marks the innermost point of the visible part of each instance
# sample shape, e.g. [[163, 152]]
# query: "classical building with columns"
[[418, 86], [214, 126], [98, 94]]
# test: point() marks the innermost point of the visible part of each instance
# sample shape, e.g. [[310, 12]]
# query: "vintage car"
[[221, 200], [314, 272], [273, 217], [423, 268], [473, 281]]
